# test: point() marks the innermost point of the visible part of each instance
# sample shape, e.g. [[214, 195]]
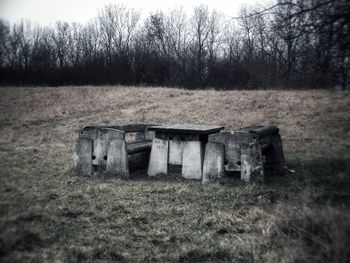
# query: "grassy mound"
[[48, 213]]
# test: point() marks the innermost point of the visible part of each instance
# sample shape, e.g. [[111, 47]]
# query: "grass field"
[[49, 214]]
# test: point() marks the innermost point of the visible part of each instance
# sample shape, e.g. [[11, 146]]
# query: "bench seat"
[[136, 147]]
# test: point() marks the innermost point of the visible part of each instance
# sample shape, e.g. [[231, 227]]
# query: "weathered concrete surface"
[[213, 167], [105, 133], [252, 166], [99, 152], [82, 156], [220, 137], [278, 150], [175, 151], [144, 135], [150, 135], [233, 152], [117, 159], [101, 138], [158, 164], [192, 160], [233, 142], [186, 129], [109, 134]]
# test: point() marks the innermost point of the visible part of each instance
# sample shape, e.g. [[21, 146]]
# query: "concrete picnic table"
[[179, 145]]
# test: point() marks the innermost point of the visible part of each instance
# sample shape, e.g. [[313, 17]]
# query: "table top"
[[187, 128]]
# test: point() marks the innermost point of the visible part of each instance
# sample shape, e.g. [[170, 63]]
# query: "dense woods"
[[292, 44]]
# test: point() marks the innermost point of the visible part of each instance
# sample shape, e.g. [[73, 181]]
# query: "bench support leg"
[[278, 153], [252, 166], [83, 156], [117, 159], [213, 167]]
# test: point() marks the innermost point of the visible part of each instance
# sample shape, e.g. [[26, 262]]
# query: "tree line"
[[292, 44]]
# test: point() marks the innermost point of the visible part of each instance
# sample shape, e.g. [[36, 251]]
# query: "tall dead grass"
[[306, 118], [47, 213], [304, 234]]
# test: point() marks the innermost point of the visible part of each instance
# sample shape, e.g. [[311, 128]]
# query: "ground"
[[47, 213]]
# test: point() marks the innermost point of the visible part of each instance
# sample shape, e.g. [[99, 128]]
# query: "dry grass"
[[47, 213]]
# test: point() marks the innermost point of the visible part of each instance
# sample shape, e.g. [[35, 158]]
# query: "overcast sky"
[[49, 11]]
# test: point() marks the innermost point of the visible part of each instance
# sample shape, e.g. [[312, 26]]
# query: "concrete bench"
[[248, 151], [112, 149]]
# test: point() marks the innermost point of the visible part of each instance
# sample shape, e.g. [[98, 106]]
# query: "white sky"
[[46, 12]]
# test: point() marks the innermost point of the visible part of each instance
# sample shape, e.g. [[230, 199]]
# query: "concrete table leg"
[[192, 160], [175, 151], [158, 162], [213, 167], [117, 159]]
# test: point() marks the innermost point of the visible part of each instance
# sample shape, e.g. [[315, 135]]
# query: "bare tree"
[[178, 33], [118, 27], [201, 30], [60, 37], [4, 42], [247, 24], [156, 34], [90, 42], [295, 43]]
